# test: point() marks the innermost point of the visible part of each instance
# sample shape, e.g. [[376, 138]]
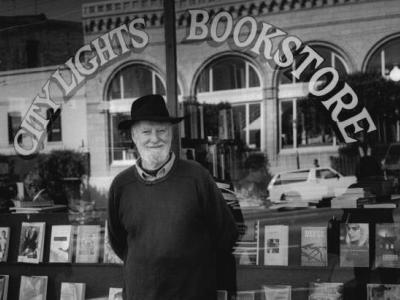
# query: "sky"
[[70, 10]]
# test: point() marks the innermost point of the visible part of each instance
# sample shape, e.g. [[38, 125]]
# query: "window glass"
[[54, 131], [14, 121], [287, 122], [229, 74], [293, 177], [385, 58]]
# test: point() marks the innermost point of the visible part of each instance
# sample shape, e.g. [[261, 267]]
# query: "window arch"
[[233, 85], [227, 73], [125, 86], [386, 60], [301, 124]]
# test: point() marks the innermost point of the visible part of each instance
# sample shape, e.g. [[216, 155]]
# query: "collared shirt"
[[161, 173]]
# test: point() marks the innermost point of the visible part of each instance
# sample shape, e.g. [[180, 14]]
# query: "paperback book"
[[31, 242], [247, 250], [109, 256], [88, 244], [276, 245], [354, 245], [326, 290], [61, 244], [72, 291], [277, 292], [4, 286], [115, 293], [383, 291], [246, 295], [33, 287], [387, 245], [4, 243], [314, 246], [222, 295]]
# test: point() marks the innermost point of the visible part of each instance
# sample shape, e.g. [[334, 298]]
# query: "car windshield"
[[325, 174]]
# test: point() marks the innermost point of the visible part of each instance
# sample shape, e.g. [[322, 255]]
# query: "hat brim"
[[126, 124]]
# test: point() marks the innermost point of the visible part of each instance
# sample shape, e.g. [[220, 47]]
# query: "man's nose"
[[154, 136]]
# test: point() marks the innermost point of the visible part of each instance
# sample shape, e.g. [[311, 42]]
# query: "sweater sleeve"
[[116, 232], [220, 220]]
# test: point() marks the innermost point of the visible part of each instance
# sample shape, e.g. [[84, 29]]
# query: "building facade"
[[267, 110]]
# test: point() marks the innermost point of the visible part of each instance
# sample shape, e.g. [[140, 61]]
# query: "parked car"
[[311, 185]]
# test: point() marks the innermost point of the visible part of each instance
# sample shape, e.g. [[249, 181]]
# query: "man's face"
[[153, 142]]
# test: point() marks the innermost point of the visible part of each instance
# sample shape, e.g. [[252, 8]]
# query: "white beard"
[[153, 158]]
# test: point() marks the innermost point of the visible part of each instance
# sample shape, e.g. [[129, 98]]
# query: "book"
[[354, 245], [61, 244], [387, 245], [115, 293], [72, 291], [4, 286], [4, 243], [33, 287], [109, 256], [35, 210], [383, 291], [326, 290], [246, 250], [246, 295], [222, 295], [277, 292], [88, 244], [276, 245], [314, 246], [31, 242]]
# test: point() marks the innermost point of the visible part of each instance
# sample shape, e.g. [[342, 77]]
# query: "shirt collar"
[[161, 173]]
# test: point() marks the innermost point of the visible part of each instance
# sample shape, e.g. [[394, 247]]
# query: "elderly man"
[[167, 218]]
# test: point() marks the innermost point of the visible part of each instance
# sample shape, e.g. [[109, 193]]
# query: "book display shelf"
[[96, 275], [295, 254], [319, 253]]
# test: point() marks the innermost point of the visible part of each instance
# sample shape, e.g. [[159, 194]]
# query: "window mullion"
[[295, 120], [121, 83]]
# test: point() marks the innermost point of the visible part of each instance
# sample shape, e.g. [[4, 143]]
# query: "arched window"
[[234, 81], [300, 124], [386, 60], [128, 84]]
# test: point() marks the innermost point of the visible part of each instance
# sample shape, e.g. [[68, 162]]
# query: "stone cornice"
[[105, 15]]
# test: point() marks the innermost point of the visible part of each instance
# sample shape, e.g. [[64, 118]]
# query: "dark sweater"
[[168, 232]]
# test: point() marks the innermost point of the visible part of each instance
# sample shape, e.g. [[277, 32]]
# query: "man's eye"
[[146, 131], [161, 130]]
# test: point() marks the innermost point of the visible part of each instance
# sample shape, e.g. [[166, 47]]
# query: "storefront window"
[[386, 60], [301, 122]]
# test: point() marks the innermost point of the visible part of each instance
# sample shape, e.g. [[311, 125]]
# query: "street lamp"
[[395, 74]]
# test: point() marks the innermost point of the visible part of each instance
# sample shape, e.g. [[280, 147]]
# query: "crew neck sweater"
[[168, 231]]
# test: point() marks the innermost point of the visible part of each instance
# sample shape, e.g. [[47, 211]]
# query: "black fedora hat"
[[149, 108]]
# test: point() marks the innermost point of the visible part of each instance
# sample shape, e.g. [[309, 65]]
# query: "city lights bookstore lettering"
[[246, 33]]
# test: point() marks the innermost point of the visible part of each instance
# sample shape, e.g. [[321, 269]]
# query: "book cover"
[[4, 286], [61, 244], [383, 291], [4, 243], [222, 295], [246, 250], [354, 245], [314, 246], [109, 256], [277, 292], [72, 291], [88, 244], [246, 295], [33, 288], [31, 242], [387, 245], [326, 290], [276, 245], [115, 293]]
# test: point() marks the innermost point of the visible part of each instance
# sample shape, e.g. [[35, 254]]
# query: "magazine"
[[314, 246], [4, 286], [61, 244], [277, 292], [387, 245], [115, 293], [31, 242], [4, 243], [276, 245], [326, 290], [33, 287], [246, 250], [354, 245], [88, 244], [377, 291], [72, 291]]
